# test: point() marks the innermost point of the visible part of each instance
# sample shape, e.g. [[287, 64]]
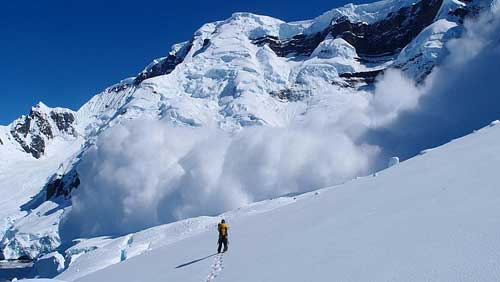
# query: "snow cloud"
[[460, 96], [143, 173]]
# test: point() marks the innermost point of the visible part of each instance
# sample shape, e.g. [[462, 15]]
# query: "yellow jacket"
[[222, 227]]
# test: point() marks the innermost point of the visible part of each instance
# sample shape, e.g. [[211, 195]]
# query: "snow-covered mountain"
[[244, 72]]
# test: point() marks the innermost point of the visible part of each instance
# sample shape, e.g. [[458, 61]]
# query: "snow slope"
[[431, 218]]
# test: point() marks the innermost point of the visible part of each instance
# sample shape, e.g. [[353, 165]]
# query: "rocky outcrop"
[[34, 130], [62, 185], [367, 77], [22, 129], [291, 95], [471, 9], [387, 36], [391, 34], [64, 122], [299, 45], [165, 65]]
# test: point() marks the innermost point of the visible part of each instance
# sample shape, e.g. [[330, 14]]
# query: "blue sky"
[[63, 52]]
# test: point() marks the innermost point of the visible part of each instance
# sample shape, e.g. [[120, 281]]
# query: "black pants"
[[222, 241]]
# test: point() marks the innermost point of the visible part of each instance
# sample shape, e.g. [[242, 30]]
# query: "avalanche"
[[430, 218]]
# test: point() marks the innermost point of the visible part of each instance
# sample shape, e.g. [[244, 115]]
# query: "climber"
[[222, 227]]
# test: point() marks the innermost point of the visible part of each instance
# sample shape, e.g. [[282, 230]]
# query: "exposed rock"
[[391, 34], [470, 10], [117, 88], [367, 77], [23, 127], [387, 36], [299, 45], [62, 185], [206, 44], [1, 142], [64, 121], [37, 146], [20, 131], [165, 65], [34, 130], [42, 123], [290, 95]]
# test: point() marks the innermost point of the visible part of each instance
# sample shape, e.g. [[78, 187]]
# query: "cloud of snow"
[[460, 96], [143, 173], [394, 94]]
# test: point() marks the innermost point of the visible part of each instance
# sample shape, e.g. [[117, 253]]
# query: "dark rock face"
[[367, 77], [20, 131], [299, 45], [391, 34], [290, 95], [64, 121], [118, 88], [37, 146], [42, 122], [164, 66], [471, 10], [387, 36], [1, 142], [206, 44], [32, 131], [62, 185]]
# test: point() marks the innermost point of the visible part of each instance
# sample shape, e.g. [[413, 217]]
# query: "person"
[[222, 227]]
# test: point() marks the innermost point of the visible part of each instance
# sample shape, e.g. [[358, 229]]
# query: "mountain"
[[248, 71]]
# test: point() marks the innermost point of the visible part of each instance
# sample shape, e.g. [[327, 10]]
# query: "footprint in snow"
[[217, 267]]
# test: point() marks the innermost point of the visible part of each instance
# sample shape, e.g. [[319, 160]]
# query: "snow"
[[90, 255], [228, 86], [430, 218]]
